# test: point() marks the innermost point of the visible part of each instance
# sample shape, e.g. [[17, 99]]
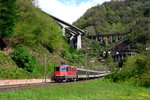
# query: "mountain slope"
[[124, 16], [37, 42], [116, 17], [127, 16]]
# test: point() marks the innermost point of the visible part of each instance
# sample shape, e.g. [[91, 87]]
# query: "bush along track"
[[136, 71]]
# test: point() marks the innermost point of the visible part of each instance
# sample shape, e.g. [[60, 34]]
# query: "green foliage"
[[50, 67], [117, 17], [7, 17], [90, 90], [73, 56], [127, 16], [12, 73], [91, 47], [76, 57], [114, 77], [144, 80], [39, 34], [64, 54], [136, 71], [6, 61], [16, 73], [109, 59], [33, 27], [23, 59]]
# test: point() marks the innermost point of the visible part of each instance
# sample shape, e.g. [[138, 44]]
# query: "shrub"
[[6, 61], [12, 73], [145, 80], [64, 54], [17, 73], [109, 59], [73, 56], [115, 77], [23, 59], [135, 71]]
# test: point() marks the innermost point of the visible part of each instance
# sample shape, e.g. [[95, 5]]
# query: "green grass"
[[92, 90]]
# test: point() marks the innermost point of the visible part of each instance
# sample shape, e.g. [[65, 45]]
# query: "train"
[[64, 73]]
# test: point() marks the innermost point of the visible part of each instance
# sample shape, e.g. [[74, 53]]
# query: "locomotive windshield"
[[60, 68], [63, 69]]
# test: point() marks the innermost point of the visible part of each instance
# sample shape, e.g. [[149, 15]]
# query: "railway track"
[[8, 88], [26, 86]]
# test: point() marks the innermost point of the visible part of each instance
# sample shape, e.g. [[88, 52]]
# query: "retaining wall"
[[22, 81]]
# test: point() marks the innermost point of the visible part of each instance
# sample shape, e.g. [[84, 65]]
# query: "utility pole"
[[45, 69], [86, 64]]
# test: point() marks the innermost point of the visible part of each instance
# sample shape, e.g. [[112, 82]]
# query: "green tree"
[[23, 59], [7, 19]]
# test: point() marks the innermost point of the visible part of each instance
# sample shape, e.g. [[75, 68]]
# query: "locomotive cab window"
[[57, 68], [67, 69]]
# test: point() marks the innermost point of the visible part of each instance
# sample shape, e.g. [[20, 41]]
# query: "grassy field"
[[91, 90]]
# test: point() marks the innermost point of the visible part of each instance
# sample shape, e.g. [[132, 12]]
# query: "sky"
[[68, 10]]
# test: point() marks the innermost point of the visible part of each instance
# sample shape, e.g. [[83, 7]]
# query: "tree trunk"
[[5, 43], [2, 44]]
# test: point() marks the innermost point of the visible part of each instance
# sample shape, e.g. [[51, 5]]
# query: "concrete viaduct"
[[73, 33], [118, 55], [111, 38]]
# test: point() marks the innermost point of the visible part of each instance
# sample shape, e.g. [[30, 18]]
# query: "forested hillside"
[[29, 41], [117, 17], [123, 16]]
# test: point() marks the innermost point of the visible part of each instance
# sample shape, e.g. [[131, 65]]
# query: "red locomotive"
[[71, 73], [64, 72]]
